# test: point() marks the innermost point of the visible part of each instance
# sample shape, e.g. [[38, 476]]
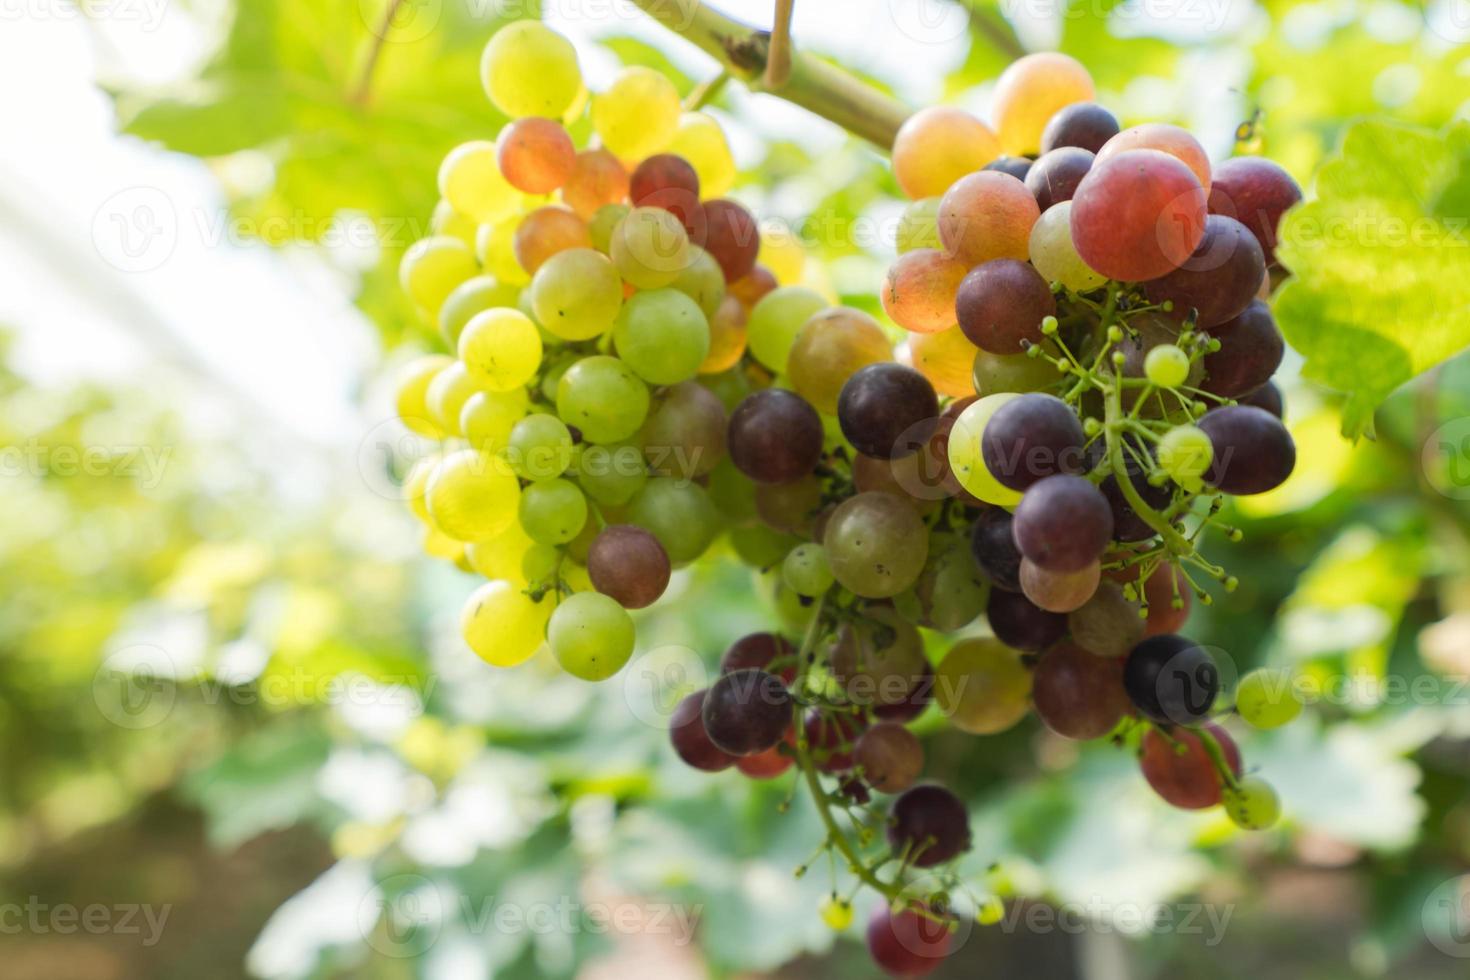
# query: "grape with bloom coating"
[[1059, 592], [937, 146], [887, 411], [590, 635], [434, 267], [691, 741], [876, 545], [1000, 306], [1030, 92], [1256, 192], [502, 625], [928, 825], [628, 564], [685, 432], [638, 114], [775, 436], [576, 294], [1219, 280], [1079, 695], [987, 215], [1252, 451], [501, 349], [530, 70], [1063, 523], [982, 686], [1084, 124], [471, 496], [603, 398], [919, 293]]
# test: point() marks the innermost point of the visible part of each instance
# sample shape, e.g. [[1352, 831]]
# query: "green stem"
[[814, 84]]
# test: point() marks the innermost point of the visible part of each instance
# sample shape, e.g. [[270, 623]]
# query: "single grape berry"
[[1251, 349], [1000, 305], [1031, 438], [747, 711], [887, 410], [1267, 698], [1078, 694], [1166, 366], [1172, 680], [774, 436], [1257, 192], [1268, 398], [994, 547], [1054, 177], [911, 942], [667, 181], [761, 650], [1252, 804], [1185, 453], [890, 757], [1252, 450], [1084, 124], [1017, 167], [1020, 623], [1218, 280], [1063, 524], [627, 563], [929, 824], [691, 742], [731, 237], [913, 704], [1179, 769]]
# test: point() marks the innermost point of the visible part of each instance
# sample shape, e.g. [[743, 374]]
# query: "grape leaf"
[[1380, 259]]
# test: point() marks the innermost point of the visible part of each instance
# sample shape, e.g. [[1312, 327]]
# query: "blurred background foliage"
[[231, 683]]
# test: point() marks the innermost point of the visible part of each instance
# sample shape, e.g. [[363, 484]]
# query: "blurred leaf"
[[264, 782]]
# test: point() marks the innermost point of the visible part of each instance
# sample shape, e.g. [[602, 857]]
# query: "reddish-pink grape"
[[1138, 215]]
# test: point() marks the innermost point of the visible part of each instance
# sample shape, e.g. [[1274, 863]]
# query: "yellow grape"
[[471, 297], [470, 180], [726, 337], [937, 146], [947, 359], [1030, 92], [546, 232], [982, 686], [488, 417], [503, 625], [446, 395], [700, 140], [432, 268], [495, 245], [830, 348], [530, 70], [447, 221], [919, 293], [439, 545], [638, 114], [473, 496], [650, 248], [964, 452], [501, 348], [412, 390], [416, 485], [1055, 256], [576, 294], [500, 557]]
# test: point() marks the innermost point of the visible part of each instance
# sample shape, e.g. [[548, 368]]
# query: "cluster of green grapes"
[[1083, 371]]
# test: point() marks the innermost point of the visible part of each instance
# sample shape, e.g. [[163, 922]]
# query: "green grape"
[[576, 294], [1166, 366], [591, 636], [1267, 698], [472, 496], [1252, 804], [611, 475], [703, 281], [732, 492], [540, 447], [638, 114], [495, 247], [777, 319], [553, 511], [996, 373], [489, 416], [530, 70], [540, 563], [447, 221], [730, 387], [503, 625], [760, 546], [982, 686], [951, 591], [837, 913], [432, 268], [415, 487], [603, 398], [878, 659], [649, 248], [1185, 453], [877, 545], [679, 514], [501, 348], [447, 394], [411, 396], [919, 226], [662, 335], [1055, 256], [474, 295], [470, 180], [604, 223], [965, 459], [806, 571], [501, 556], [551, 377]]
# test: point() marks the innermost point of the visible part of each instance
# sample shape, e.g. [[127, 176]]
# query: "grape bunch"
[[1082, 373]]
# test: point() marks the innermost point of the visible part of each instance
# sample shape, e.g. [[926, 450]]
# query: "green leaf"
[[1380, 291]]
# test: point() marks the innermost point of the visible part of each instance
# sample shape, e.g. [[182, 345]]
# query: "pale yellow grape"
[[1030, 92], [530, 70], [500, 557], [470, 297], [488, 417], [416, 487], [964, 452], [701, 141], [576, 294], [947, 359], [782, 253], [650, 248], [495, 246], [501, 348], [447, 221], [473, 496], [470, 180], [413, 390], [439, 545], [503, 625], [639, 113], [982, 686], [447, 393], [937, 146], [432, 268], [1055, 256]]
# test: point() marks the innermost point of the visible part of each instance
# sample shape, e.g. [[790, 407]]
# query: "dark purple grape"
[[1256, 192], [1253, 452], [1032, 437], [732, 238], [995, 549], [760, 650], [1021, 624], [1017, 167], [627, 563], [1172, 680], [1063, 523], [929, 824], [1001, 303], [913, 704], [746, 711], [908, 943], [775, 436], [1250, 351], [1267, 397], [691, 741], [667, 181], [887, 410], [1219, 280], [1054, 177], [832, 736], [890, 757], [1078, 694], [1084, 124]]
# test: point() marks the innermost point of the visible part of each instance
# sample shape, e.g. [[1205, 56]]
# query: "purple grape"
[[1017, 167], [1063, 523], [887, 410], [1253, 452], [930, 824], [994, 547], [1172, 680], [691, 741], [761, 650], [1256, 192], [1054, 177], [1019, 623], [1219, 280], [1250, 351], [775, 436], [746, 711], [1084, 124], [1001, 303], [1032, 437], [1267, 397]]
